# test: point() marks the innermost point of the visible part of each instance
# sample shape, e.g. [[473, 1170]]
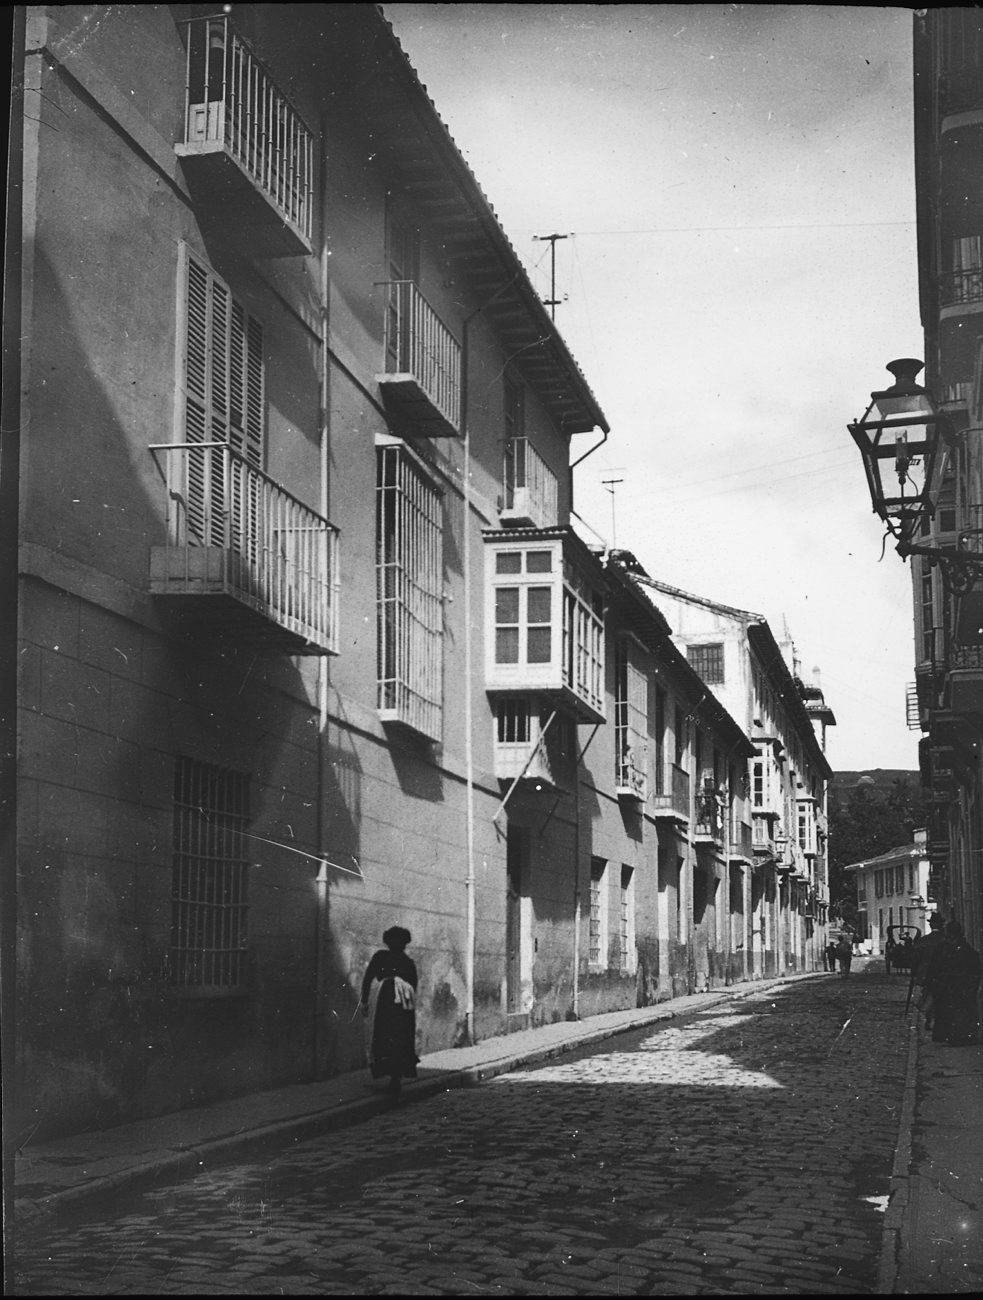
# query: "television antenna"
[[552, 302], [610, 482]]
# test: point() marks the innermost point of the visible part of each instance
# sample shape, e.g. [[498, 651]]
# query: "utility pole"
[[552, 301]]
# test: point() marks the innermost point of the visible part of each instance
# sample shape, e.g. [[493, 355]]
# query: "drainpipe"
[[575, 1009], [468, 709], [9, 500], [321, 903], [468, 664]]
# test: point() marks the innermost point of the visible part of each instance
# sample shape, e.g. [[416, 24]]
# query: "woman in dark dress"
[[389, 1003], [952, 978]]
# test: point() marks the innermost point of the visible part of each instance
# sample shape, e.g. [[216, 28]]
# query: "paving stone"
[[539, 1184]]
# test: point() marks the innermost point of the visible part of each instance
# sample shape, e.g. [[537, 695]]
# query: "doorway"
[[517, 945]]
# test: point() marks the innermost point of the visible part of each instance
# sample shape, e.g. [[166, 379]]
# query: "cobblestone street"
[[743, 1150]]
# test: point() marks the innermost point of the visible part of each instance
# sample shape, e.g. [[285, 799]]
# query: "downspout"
[[468, 667], [9, 513], [321, 904], [469, 954]]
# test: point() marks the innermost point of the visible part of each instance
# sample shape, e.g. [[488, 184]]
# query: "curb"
[[188, 1161]]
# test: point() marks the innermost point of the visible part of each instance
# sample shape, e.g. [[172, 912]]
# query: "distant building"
[[896, 888], [737, 656]]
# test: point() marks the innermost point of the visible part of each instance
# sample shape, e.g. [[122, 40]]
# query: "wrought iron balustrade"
[[233, 104], [232, 530], [962, 286], [421, 350]]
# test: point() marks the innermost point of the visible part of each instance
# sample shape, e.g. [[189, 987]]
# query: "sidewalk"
[[932, 1241], [933, 1230]]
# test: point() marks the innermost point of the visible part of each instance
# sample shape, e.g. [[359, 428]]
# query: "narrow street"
[[743, 1150]]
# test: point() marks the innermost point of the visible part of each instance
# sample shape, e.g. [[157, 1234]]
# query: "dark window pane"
[[538, 644], [538, 604], [507, 645], [508, 562], [539, 561], [507, 605]]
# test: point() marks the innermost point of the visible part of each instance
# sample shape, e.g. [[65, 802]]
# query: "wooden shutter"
[[224, 401]]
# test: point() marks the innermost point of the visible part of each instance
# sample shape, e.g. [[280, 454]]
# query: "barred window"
[[208, 889], [409, 582], [626, 929], [598, 913], [708, 661], [630, 720]]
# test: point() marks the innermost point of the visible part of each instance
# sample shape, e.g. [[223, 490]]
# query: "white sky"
[[736, 182]]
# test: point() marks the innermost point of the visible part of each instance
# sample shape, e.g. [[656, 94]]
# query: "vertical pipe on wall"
[[321, 905], [468, 710], [13, 329]]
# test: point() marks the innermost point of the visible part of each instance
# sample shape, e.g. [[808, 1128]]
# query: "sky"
[[736, 188]]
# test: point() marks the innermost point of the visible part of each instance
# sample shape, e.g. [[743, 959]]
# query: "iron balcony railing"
[[531, 493], [962, 286], [675, 800], [419, 345], [741, 841], [232, 530], [710, 816], [231, 100], [966, 656]]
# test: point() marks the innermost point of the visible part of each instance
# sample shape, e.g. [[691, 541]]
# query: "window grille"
[[409, 573], [708, 661], [583, 637], [208, 917], [626, 928], [630, 720], [596, 935]]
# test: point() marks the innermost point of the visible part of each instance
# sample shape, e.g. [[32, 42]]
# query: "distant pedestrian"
[[389, 1004], [830, 953], [921, 954], [844, 954], [953, 978]]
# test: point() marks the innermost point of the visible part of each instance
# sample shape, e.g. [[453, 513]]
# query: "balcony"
[[244, 554], [673, 804], [530, 498], [543, 613], [630, 779], [247, 154], [421, 385], [741, 842], [961, 287], [532, 747], [710, 821]]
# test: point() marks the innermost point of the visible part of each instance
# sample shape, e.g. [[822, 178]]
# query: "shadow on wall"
[[121, 696]]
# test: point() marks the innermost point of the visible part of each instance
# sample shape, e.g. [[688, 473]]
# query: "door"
[[515, 866]]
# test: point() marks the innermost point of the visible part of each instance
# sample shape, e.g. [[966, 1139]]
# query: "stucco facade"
[[307, 645]]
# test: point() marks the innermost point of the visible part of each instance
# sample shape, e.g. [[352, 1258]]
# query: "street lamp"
[[899, 437], [899, 434]]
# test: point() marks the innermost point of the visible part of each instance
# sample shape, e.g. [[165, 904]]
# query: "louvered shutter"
[[224, 402]]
